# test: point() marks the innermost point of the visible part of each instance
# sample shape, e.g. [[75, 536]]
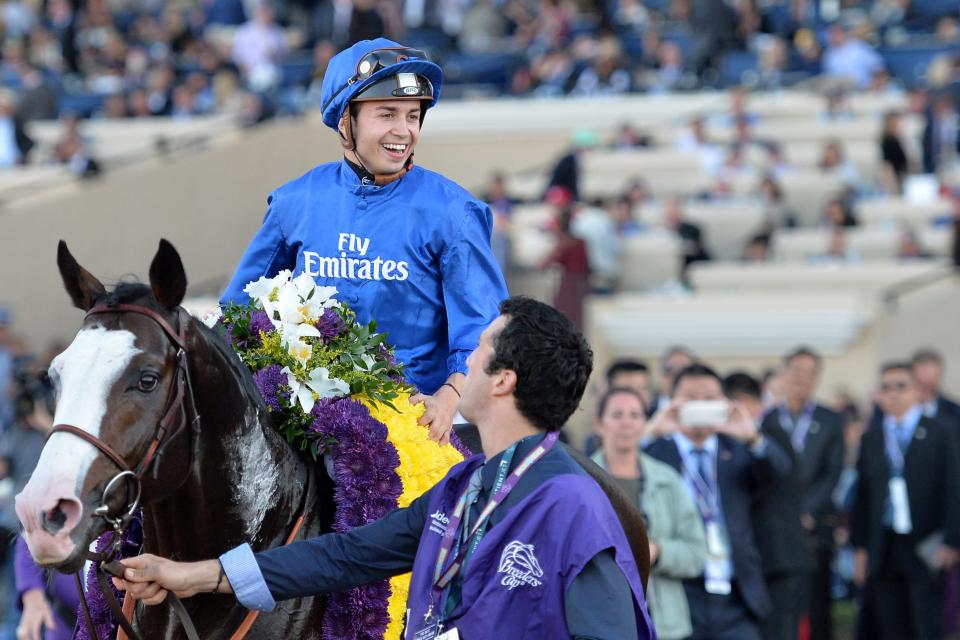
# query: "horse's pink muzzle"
[[49, 516]]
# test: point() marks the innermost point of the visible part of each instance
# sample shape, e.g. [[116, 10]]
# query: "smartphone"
[[704, 413]]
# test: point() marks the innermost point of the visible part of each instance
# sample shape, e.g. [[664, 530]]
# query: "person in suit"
[[927, 367], [928, 372], [673, 360], [678, 548], [796, 518], [905, 521], [724, 467]]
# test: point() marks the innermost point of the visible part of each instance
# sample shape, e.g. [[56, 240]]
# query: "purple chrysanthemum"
[[259, 323], [363, 492], [272, 384], [330, 325]]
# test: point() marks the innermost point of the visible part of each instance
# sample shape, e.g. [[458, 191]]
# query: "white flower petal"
[[325, 386], [212, 317]]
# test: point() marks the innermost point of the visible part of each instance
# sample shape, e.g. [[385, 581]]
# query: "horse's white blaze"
[[255, 475], [87, 370]]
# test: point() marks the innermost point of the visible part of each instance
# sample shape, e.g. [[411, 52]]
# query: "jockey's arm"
[[332, 562]]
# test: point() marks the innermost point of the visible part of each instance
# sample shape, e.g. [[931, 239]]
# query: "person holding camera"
[[724, 460], [678, 548]]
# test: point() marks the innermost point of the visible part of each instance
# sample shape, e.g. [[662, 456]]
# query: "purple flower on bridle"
[[270, 381]]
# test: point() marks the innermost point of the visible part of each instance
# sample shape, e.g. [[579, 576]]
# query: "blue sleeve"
[[338, 561], [599, 604], [266, 255], [240, 567], [473, 286]]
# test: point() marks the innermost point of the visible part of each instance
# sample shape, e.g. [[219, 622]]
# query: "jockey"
[[403, 245], [516, 543]]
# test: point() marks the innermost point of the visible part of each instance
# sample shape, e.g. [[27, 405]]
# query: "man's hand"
[[860, 567], [149, 578], [739, 425], [664, 422], [948, 556], [36, 616], [439, 410], [654, 552]]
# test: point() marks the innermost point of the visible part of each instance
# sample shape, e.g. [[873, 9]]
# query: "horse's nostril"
[[55, 519]]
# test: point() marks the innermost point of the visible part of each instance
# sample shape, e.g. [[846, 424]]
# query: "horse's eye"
[[148, 382]]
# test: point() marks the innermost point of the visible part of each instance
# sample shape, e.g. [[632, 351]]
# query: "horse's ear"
[[167, 277], [83, 287]]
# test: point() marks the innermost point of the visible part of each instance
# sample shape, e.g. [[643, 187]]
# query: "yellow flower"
[[423, 463]]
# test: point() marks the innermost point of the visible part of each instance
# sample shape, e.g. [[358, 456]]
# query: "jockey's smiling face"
[[385, 133]]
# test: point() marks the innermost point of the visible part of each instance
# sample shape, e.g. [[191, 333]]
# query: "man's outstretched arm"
[[331, 562]]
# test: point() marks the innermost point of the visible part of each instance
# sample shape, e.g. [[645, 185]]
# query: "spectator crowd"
[[763, 514]]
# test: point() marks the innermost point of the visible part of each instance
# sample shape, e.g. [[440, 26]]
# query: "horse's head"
[[115, 383]]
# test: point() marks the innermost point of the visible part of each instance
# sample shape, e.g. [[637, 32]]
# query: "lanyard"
[[798, 429], [443, 577], [706, 488]]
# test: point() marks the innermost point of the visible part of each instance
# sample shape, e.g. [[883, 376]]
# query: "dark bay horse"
[[211, 484]]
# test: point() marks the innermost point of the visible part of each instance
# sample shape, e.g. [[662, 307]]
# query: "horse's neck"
[[245, 484]]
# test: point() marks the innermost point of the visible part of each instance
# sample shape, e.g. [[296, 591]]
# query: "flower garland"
[[334, 387]]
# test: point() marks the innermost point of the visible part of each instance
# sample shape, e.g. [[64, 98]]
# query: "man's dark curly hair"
[[551, 358]]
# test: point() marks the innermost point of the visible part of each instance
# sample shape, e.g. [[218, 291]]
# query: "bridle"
[[171, 424], [174, 421]]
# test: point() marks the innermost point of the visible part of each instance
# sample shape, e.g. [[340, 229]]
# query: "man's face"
[[385, 133], [898, 393], [638, 381], [928, 375], [478, 386], [800, 377]]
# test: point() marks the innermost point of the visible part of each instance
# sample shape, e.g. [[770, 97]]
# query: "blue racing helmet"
[[377, 70]]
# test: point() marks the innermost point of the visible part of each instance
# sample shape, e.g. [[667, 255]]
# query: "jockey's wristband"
[[455, 390]]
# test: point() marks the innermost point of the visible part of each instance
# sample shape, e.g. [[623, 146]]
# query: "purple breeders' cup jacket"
[[515, 582]]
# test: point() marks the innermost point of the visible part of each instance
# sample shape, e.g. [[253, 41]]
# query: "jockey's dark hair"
[[696, 370], [741, 383], [616, 391], [550, 356]]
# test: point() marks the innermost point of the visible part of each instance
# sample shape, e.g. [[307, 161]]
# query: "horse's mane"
[[139, 293]]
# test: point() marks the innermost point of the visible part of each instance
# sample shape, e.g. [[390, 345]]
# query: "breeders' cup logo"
[[439, 522], [519, 566]]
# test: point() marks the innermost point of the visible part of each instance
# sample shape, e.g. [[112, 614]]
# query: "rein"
[[173, 422]]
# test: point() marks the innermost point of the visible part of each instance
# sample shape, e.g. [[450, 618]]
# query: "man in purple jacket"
[[49, 603], [519, 535]]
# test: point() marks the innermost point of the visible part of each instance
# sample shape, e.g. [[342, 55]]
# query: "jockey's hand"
[[149, 578], [439, 410], [36, 616]]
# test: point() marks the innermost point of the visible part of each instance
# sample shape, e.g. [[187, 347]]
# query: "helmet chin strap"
[[349, 143]]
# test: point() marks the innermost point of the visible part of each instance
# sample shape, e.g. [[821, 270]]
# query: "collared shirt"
[[692, 462], [931, 407], [908, 425], [596, 601]]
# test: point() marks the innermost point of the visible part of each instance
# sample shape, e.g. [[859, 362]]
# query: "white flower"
[[212, 317], [368, 362], [264, 287], [319, 383], [300, 350]]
